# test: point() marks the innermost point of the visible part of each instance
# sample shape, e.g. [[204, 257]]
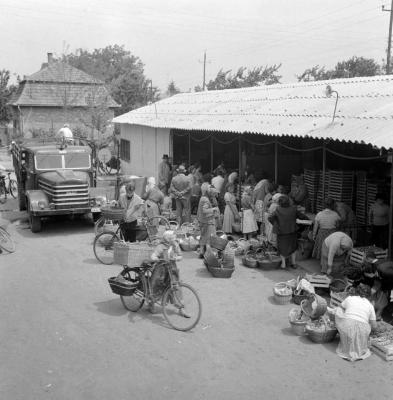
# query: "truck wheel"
[[35, 223]]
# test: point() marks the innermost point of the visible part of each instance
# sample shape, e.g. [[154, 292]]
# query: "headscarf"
[[205, 188], [151, 183], [169, 236], [275, 197], [346, 242]]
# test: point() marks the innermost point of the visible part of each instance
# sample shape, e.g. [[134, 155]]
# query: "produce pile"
[[383, 335]]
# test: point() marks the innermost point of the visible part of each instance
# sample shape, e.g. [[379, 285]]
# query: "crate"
[[318, 281], [358, 254]]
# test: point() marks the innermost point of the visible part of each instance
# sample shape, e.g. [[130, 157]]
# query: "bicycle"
[[6, 242], [10, 188], [180, 302], [103, 245]]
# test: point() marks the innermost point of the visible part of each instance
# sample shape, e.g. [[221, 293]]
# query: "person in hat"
[[65, 133], [164, 174], [181, 190]]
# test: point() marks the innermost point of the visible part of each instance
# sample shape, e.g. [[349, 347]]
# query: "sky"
[[171, 36]]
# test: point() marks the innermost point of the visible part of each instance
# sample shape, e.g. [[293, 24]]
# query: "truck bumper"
[[71, 211]]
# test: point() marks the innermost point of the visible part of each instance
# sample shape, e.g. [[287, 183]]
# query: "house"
[[57, 94]]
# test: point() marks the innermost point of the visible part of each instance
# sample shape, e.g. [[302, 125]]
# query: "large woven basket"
[[113, 213], [282, 293], [319, 308], [267, 259], [298, 321], [221, 272], [218, 242], [131, 254], [299, 296], [323, 334], [249, 259]]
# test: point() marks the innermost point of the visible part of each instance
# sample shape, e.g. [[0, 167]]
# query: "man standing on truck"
[[66, 133]]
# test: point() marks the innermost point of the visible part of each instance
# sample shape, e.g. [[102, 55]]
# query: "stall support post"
[[276, 161], [240, 167], [189, 149], [211, 153], [323, 170], [390, 158]]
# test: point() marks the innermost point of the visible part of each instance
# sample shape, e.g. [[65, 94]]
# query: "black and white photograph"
[[196, 199]]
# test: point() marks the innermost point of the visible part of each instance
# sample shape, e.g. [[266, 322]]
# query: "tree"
[[353, 67], [244, 77], [6, 91], [172, 89], [122, 72]]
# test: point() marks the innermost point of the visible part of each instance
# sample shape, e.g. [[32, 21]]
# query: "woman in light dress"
[[249, 224], [231, 214]]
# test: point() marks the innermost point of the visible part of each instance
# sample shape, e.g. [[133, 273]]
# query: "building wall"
[[147, 145], [51, 119]]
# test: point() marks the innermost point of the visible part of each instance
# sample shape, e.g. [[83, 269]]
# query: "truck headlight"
[[41, 205]]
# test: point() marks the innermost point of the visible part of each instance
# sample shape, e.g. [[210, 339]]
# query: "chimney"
[[50, 58]]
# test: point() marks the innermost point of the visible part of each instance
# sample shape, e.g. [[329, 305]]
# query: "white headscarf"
[[151, 182]]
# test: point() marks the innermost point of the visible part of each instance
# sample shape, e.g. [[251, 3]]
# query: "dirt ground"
[[64, 335]]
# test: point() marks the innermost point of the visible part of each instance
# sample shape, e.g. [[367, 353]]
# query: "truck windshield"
[[49, 161], [77, 160]]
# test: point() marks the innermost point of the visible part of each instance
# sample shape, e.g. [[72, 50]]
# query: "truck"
[[55, 178]]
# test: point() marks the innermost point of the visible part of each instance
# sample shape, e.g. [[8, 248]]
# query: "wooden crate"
[[358, 254], [318, 281]]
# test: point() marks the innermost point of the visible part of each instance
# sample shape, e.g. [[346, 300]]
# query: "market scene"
[[231, 241]]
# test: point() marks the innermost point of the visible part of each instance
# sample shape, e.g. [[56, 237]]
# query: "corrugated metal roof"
[[364, 111]]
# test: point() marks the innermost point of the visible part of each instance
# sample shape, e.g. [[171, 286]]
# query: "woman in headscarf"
[[326, 222], [270, 230], [154, 199], [355, 318], [285, 219], [335, 251], [249, 225], [206, 216], [231, 213]]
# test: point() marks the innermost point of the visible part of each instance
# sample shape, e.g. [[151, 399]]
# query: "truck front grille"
[[67, 195]]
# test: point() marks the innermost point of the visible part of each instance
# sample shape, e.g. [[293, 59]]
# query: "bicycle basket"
[[112, 213], [121, 286], [131, 254]]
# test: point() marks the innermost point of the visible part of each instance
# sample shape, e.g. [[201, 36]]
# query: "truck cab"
[[55, 179]]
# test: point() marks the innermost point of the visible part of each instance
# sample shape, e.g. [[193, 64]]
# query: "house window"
[[125, 147]]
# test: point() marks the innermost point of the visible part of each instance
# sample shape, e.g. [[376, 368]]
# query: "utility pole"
[[389, 38], [204, 70]]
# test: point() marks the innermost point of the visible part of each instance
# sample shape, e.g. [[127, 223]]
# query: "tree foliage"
[[172, 89], [351, 68], [244, 77], [6, 91], [122, 72]]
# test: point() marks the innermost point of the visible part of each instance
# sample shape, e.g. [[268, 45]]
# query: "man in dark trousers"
[[181, 189]]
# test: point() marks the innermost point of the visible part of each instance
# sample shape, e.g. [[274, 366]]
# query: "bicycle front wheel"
[[3, 194], [6, 242], [103, 247], [135, 301], [13, 187], [181, 306]]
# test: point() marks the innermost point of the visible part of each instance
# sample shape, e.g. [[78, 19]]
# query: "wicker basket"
[[244, 244], [211, 259], [188, 244], [316, 312], [131, 254], [113, 213], [221, 272], [267, 260], [298, 296], [282, 293], [123, 287], [298, 321], [254, 244], [249, 260], [218, 243], [323, 334]]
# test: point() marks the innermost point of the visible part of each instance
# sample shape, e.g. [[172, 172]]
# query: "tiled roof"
[[61, 72], [59, 94], [364, 111], [59, 84]]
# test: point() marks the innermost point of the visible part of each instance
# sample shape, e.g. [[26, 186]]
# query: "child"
[[249, 225]]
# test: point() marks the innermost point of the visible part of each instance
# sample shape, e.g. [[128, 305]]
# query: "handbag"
[[236, 227]]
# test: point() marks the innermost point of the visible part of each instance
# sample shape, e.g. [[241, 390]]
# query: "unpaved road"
[[64, 335]]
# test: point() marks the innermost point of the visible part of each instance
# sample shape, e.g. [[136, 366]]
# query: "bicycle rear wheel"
[[135, 301], [13, 188], [6, 242], [182, 307], [103, 247], [3, 193]]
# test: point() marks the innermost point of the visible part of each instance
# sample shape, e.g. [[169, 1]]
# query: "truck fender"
[[35, 196]]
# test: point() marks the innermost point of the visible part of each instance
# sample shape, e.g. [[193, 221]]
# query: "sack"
[[228, 258]]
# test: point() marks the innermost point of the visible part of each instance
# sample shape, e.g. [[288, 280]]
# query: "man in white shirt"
[[218, 180], [66, 133]]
